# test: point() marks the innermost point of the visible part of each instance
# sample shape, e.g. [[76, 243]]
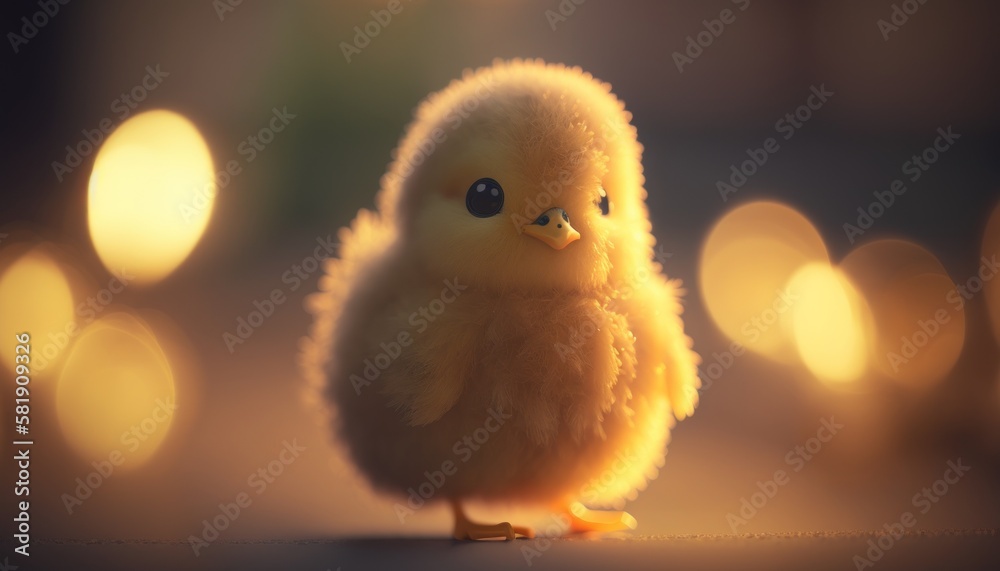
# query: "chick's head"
[[521, 176]]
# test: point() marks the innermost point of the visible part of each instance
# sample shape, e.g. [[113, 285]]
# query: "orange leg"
[[584, 520], [468, 529]]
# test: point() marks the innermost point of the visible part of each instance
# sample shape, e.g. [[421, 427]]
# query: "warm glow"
[[746, 263], [116, 392], [919, 322], [35, 298], [151, 195], [829, 322], [991, 251]]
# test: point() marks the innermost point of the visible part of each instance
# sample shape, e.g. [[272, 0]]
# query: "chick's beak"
[[553, 228]]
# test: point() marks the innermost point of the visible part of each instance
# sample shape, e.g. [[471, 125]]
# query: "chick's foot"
[[466, 529], [584, 520]]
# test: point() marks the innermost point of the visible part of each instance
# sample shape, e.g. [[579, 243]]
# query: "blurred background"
[[168, 167]]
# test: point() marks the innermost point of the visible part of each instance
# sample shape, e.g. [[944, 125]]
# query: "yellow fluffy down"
[[543, 375]]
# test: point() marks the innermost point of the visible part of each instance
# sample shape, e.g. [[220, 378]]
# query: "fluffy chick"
[[503, 311]]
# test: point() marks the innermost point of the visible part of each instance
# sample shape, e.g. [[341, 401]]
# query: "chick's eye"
[[485, 198], [603, 203]]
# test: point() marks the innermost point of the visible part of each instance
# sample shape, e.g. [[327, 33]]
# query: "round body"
[[463, 357]]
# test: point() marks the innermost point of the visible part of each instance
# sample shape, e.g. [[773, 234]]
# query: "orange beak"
[[553, 228]]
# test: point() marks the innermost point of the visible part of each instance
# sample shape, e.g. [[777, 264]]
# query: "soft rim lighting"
[[116, 392], [829, 324], [35, 298], [151, 195]]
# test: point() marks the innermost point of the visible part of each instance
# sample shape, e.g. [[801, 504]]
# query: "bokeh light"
[[831, 323], [746, 262], [35, 298], [991, 250], [920, 326], [151, 195], [116, 392]]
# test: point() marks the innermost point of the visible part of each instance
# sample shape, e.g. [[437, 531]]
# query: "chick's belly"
[[506, 467], [481, 448], [478, 455]]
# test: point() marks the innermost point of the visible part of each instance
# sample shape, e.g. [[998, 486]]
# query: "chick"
[[499, 330]]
